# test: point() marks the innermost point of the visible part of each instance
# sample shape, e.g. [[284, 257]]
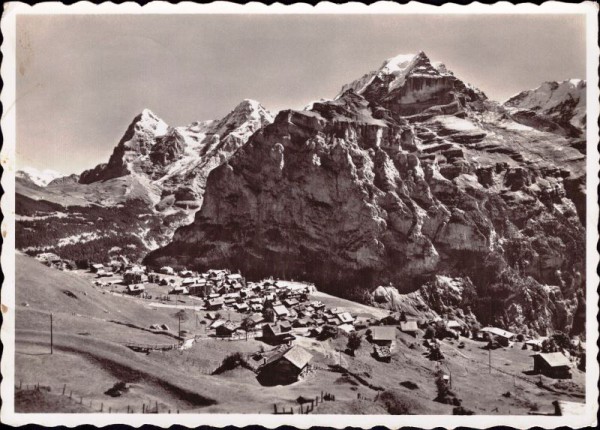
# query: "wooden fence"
[[306, 407], [96, 405]]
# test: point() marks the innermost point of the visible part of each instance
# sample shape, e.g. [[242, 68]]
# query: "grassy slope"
[[90, 358]]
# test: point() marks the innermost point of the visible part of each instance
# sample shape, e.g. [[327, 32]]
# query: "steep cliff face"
[[409, 173]]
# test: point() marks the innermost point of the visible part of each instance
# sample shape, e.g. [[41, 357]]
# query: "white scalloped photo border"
[[8, 159]]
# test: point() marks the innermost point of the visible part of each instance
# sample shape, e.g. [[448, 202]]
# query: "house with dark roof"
[[552, 364], [285, 367], [227, 329], [274, 335]]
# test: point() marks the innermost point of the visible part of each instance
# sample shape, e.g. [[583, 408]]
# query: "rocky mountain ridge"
[[409, 173], [154, 180]]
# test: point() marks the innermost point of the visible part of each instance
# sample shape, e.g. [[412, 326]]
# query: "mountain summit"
[[172, 162], [408, 174], [411, 83]]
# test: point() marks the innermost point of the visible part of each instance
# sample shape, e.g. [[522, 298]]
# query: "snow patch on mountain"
[[41, 178]]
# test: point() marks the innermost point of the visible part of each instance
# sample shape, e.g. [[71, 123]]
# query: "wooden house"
[[552, 364], [272, 334], [227, 329], [383, 335], [285, 367]]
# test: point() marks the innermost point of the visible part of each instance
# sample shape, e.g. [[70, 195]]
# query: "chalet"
[[256, 307], [217, 323], [179, 290], [104, 273], [188, 281], [383, 335], [241, 307], [256, 319], [409, 327], [133, 277], [484, 334], [201, 288], [186, 274], [166, 270], [317, 305], [216, 303], [290, 302], [552, 364], [347, 328], [135, 290], [285, 367], [300, 322], [273, 334], [227, 329], [346, 318], [236, 277], [281, 311], [362, 322]]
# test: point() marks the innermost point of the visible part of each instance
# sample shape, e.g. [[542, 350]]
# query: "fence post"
[[157, 406], [80, 400], [71, 394], [275, 408], [109, 409], [64, 388], [321, 395], [102, 407], [143, 408], [127, 408]]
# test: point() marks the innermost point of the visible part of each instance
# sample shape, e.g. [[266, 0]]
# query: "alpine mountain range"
[[408, 188]]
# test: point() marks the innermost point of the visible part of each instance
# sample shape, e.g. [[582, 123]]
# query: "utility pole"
[[51, 337]]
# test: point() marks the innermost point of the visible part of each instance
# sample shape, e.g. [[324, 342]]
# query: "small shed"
[[552, 364]]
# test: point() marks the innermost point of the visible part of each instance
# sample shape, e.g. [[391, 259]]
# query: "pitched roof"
[[408, 326], [281, 310], [298, 356], [555, 359], [345, 317], [383, 333], [498, 332]]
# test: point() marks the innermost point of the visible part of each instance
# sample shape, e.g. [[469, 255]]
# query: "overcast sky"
[[81, 79]]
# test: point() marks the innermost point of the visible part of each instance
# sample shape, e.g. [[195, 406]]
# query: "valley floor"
[[91, 327]]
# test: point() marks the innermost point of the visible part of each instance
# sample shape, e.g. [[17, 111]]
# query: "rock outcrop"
[[407, 174]]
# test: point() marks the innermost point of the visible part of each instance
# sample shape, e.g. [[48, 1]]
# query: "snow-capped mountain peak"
[[395, 70], [563, 103], [39, 177]]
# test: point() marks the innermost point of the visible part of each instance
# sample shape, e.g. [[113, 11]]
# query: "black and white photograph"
[[276, 215]]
